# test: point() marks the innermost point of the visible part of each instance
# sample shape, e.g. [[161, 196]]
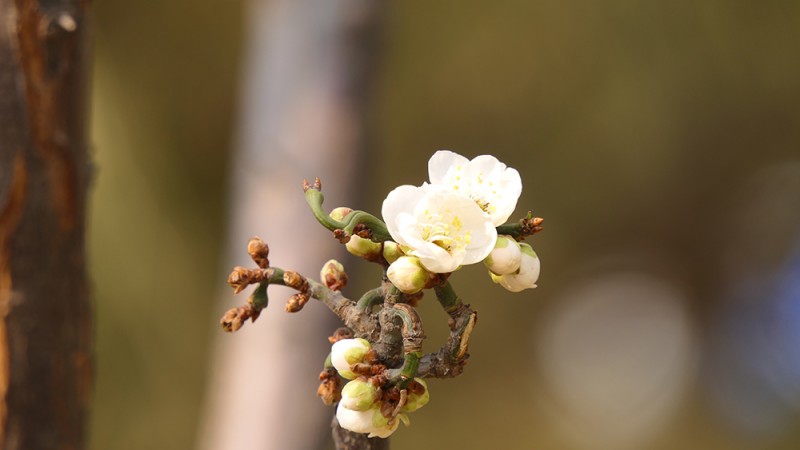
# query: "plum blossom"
[[443, 229], [494, 186]]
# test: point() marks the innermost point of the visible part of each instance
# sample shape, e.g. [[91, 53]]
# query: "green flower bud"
[[383, 426], [347, 352], [363, 248], [359, 395], [333, 275], [418, 395], [506, 256], [408, 275], [370, 421], [391, 251], [338, 214]]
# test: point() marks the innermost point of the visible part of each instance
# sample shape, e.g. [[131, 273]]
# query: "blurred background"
[[659, 140]]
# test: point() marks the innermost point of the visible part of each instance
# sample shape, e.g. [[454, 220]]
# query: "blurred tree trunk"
[[45, 323], [309, 63]]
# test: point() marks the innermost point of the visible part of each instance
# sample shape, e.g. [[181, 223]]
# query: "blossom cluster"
[[451, 221], [364, 406]]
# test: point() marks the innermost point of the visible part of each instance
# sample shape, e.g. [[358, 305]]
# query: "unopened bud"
[[527, 274], [339, 334], [338, 214], [370, 421], [330, 388], [240, 278], [506, 256], [348, 352], [259, 251], [234, 318], [295, 281], [391, 251], [408, 275], [418, 395], [231, 321], [363, 248], [296, 302], [333, 275], [359, 395]]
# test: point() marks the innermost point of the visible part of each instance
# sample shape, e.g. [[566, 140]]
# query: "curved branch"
[[370, 299], [363, 325], [450, 359], [376, 227]]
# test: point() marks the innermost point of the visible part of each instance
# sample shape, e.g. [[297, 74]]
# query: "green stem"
[[409, 369], [328, 363], [413, 336], [447, 297], [378, 228], [380, 233], [527, 226], [314, 198], [370, 299], [511, 229], [259, 298]]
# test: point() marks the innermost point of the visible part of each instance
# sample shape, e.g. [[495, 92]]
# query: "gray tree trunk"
[[308, 63], [45, 312]]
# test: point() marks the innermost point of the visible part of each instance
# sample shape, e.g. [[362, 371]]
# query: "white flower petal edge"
[[494, 186], [443, 229]]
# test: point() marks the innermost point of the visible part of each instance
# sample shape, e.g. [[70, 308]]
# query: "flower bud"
[[259, 251], [333, 275], [383, 427], [506, 256], [330, 387], [527, 274], [370, 421], [338, 214], [347, 352], [408, 275], [418, 395], [364, 248], [391, 251], [359, 395]]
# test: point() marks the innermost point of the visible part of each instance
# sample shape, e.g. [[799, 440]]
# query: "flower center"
[[443, 230]]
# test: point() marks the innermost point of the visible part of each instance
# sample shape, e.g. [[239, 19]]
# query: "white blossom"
[[494, 186], [443, 229]]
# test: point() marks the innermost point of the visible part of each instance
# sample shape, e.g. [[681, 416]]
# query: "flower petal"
[[444, 165], [401, 200]]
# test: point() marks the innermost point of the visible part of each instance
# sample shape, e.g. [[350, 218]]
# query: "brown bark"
[[45, 314]]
